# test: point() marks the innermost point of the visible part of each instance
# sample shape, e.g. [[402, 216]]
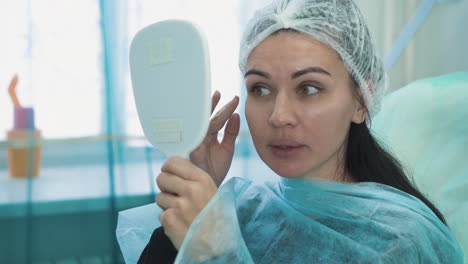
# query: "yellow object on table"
[[24, 153]]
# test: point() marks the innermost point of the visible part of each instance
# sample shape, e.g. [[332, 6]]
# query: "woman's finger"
[[166, 200], [170, 183], [231, 131], [215, 100], [174, 226], [185, 170], [218, 121]]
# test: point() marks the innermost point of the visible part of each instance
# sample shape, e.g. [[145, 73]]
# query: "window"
[[55, 47]]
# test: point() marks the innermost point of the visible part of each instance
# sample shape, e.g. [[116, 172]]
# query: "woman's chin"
[[286, 168], [289, 172]]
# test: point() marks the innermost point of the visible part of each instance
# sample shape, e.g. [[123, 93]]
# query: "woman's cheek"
[[257, 118], [326, 125], [252, 113]]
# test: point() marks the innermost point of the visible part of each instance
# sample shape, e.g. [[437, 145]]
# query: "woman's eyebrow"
[[309, 70], [293, 76], [257, 72]]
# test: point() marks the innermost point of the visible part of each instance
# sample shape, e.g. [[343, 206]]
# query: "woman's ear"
[[360, 111]]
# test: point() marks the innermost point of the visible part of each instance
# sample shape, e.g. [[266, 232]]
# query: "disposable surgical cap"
[[337, 23]]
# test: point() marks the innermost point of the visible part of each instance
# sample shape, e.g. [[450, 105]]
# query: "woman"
[[314, 83]]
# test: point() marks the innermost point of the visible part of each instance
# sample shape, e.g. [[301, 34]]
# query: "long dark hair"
[[367, 160]]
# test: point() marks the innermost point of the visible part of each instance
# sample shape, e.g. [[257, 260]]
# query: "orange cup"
[[19, 159]]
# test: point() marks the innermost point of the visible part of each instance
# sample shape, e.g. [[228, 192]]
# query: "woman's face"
[[300, 106]]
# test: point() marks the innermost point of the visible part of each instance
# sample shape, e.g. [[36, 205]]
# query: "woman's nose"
[[283, 112]]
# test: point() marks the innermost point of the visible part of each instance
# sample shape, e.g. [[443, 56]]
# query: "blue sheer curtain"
[[65, 56]]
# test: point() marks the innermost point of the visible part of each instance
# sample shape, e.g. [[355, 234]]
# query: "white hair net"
[[337, 23]]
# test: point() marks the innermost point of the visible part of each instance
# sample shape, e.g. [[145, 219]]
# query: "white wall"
[[439, 47]]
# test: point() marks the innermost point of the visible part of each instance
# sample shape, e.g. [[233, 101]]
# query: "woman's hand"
[[212, 156], [185, 191]]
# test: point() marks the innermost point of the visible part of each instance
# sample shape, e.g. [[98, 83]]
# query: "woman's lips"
[[284, 152]]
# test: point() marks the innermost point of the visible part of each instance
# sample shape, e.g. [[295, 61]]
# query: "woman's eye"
[[260, 91], [309, 89]]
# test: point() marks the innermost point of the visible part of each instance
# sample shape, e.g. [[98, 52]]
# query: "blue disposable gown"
[[304, 221]]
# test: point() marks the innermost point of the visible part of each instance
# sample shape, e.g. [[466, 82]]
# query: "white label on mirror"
[[161, 51], [168, 130]]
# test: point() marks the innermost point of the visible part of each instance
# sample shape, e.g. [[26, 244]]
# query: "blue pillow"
[[425, 124]]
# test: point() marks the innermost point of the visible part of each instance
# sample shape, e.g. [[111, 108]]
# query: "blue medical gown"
[[310, 221]]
